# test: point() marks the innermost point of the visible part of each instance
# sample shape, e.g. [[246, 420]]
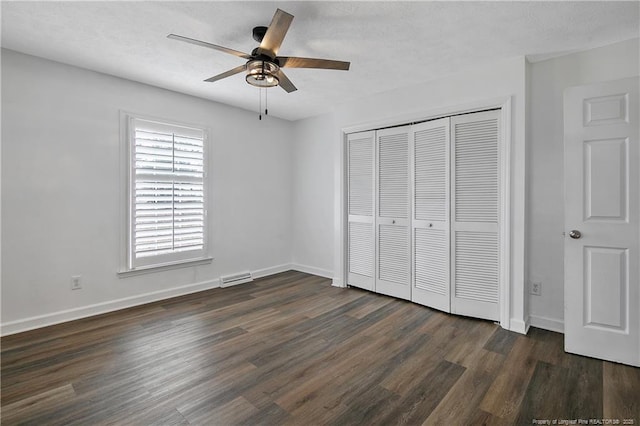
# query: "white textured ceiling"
[[389, 44]]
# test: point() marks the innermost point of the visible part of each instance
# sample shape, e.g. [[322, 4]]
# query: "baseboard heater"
[[229, 280]]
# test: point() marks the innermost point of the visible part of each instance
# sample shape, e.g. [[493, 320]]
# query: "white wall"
[[318, 145], [61, 191], [313, 176], [545, 241]]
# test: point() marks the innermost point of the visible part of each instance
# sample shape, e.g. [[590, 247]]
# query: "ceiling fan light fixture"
[[263, 66], [262, 73]]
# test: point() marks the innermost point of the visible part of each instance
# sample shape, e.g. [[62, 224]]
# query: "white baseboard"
[[551, 324], [40, 321], [265, 272], [312, 270], [519, 326]]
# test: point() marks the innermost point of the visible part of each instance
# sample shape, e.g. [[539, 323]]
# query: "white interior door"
[[602, 191], [475, 203], [430, 224], [360, 205], [392, 221]]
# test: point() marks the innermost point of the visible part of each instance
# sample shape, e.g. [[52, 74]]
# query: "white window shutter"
[[360, 206], [476, 201], [392, 221], [431, 280], [167, 193]]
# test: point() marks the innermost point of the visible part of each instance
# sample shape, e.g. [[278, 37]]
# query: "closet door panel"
[[393, 253], [360, 207], [477, 257], [475, 213], [430, 224], [431, 268], [393, 173], [392, 221], [361, 255]]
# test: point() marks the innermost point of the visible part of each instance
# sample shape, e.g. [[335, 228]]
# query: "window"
[[167, 194]]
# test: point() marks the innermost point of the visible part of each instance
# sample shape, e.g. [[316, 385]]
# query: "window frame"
[[129, 265]]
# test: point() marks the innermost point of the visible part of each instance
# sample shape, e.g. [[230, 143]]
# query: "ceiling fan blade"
[[229, 73], [209, 45], [285, 83], [275, 33], [292, 62]]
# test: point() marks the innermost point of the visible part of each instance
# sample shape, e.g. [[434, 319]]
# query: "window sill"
[[163, 267]]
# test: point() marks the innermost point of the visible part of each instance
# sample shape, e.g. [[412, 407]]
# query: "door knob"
[[575, 234]]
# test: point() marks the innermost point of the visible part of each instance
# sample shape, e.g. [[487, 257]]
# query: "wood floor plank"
[[408, 376], [466, 349], [200, 394], [461, 402], [375, 304], [370, 409], [482, 418], [340, 377], [545, 395], [236, 411], [271, 415], [416, 406], [583, 373], [501, 341], [44, 401], [549, 346], [505, 395], [621, 392], [290, 349], [350, 374]]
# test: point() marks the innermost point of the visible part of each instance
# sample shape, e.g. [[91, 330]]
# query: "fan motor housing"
[[256, 55], [258, 33]]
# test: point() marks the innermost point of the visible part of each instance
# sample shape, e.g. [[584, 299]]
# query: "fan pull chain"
[[266, 108]]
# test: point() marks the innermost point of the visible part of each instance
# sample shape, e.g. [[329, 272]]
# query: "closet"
[[423, 213]]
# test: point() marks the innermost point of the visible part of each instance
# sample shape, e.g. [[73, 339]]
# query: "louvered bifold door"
[[475, 208], [392, 220], [360, 207], [430, 225]]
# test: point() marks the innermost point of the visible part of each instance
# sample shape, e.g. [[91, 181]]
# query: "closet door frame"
[[506, 304]]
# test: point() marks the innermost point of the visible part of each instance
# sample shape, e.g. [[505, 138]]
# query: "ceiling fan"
[[263, 66]]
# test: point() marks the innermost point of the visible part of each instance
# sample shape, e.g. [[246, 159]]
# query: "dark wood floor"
[[291, 349]]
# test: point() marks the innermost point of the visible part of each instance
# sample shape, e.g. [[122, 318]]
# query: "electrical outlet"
[[536, 288], [76, 284]]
